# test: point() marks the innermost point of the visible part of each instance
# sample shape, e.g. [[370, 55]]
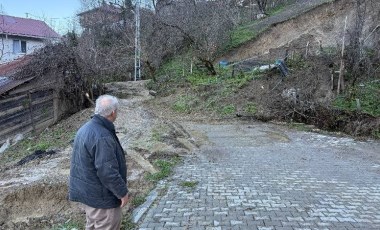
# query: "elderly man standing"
[[98, 168]]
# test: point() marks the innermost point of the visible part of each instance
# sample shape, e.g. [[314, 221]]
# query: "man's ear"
[[114, 113]]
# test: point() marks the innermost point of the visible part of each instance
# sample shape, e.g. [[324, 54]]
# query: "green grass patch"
[[368, 96], [156, 135], [127, 223], [228, 110], [69, 225], [240, 81], [173, 67], [241, 35], [376, 134], [171, 75], [202, 79], [54, 137], [138, 200], [250, 108], [184, 104], [165, 169], [189, 184], [176, 69]]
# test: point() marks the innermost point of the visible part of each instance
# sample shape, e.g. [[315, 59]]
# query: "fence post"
[[31, 111]]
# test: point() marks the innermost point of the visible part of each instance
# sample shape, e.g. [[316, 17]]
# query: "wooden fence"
[[26, 111]]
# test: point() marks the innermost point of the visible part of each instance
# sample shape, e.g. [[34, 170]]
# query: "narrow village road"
[[264, 176]]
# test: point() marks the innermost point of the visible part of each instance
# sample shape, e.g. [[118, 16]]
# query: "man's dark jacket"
[[98, 168]]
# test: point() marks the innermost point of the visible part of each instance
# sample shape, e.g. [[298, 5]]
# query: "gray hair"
[[105, 105]]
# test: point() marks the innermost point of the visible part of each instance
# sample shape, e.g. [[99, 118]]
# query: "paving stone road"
[[263, 176]]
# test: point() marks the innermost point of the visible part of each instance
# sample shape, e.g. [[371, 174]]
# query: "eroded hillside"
[[321, 27]]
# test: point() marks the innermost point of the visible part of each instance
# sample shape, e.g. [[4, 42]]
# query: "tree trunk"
[[152, 70], [341, 69], [209, 66]]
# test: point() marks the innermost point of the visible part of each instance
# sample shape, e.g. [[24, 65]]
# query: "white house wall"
[[6, 46]]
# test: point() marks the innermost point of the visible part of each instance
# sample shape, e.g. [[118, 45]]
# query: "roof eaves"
[[11, 84], [31, 36]]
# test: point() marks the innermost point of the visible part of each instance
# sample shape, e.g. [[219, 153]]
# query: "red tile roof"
[[26, 27], [9, 68]]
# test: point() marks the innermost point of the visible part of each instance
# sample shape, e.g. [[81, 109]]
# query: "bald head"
[[106, 106]]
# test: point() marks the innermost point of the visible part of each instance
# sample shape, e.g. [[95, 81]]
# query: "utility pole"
[[137, 42]]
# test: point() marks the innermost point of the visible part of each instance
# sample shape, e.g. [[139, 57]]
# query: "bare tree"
[[355, 46], [106, 45], [359, 63], [158, 42], [89, 4], [262, 4], [202, 26]]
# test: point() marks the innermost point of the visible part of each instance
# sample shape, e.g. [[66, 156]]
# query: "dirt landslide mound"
[[37, 205], [33, 195]]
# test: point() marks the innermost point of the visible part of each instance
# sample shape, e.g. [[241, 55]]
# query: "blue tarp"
[[223, 63]]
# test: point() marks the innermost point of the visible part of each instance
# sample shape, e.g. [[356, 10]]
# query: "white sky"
[[59, 14]]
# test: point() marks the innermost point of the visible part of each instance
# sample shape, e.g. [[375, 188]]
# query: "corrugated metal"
[[9, 84], [9, 68]]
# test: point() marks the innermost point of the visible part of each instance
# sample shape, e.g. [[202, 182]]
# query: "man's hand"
[[124, 200]]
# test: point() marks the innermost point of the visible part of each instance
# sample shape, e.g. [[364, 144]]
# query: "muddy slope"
[[320, 28]]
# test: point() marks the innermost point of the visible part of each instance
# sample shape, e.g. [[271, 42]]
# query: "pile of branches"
[[56, 67], [306, 96]]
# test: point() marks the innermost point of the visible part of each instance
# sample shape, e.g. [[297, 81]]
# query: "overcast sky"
[[59, 14]]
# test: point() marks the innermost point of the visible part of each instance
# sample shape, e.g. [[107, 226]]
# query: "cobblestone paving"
[[260, 176]]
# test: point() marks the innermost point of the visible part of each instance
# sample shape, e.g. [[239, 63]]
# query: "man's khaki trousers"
[[102, 219]]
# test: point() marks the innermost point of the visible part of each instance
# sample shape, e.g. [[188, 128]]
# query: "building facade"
[[22, 36]]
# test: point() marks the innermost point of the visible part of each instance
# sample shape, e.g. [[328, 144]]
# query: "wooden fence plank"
[[13, 103], [5, 100], [14, 127], [13, 119], [19, 116], [11, 111]]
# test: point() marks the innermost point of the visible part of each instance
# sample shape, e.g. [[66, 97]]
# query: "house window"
[[23, 47], [19, 46]]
